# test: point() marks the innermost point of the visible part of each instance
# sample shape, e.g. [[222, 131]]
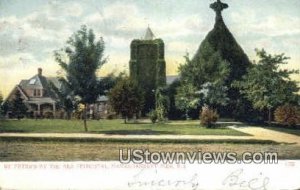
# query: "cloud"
[[271, 25], [115, 20]]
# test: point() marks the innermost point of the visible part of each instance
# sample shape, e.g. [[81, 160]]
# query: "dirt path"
[[105, 136], [267, 134]]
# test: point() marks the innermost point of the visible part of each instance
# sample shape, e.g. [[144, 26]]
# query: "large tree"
[[203, 82], [126, 98], [186, 98], [267, 85], [219, 57], [108, 82], [174, 112], [18, 107], [214, 94], [162, 103], [84, 57]]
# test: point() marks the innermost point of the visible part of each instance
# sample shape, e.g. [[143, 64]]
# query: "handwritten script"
[[235, 180]]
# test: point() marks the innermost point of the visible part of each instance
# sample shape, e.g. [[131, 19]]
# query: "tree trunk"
[[186, 114], [269, 116], [84, 118], [125, 119], [69, 115]]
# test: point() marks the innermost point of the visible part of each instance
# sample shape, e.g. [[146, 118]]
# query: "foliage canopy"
[[84, 58]]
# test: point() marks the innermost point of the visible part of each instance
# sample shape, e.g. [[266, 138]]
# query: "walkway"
[[105, 136], [268, 134]]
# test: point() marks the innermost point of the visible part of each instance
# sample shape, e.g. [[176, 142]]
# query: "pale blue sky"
[[30, 30]]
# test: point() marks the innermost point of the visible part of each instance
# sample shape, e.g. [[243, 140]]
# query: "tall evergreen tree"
[[85, 57], [18, 107]]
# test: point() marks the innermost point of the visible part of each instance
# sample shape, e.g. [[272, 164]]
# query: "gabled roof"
[[149, 34], [22, 92], [41, 82], [17, 87], [54, 81], [37, 81], [102, 98]]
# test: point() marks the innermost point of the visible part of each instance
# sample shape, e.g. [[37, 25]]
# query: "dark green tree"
[[66, 98], [84, 58], [210, 76], [214, 94], [18, 107], [126, 98], [208, 80], [198, 72], [186, 98], [174, 112], [266, 85], [162, 103], [219, 58], [108, 82]]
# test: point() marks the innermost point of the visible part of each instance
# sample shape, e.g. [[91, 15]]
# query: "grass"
[[141, 141], [113, 127], [52, 150], [87, 149]]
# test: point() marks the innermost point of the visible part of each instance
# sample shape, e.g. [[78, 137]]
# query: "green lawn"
[[113, 127]]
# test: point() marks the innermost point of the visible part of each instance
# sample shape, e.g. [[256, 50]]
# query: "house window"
[[32, 81], [37, 93]]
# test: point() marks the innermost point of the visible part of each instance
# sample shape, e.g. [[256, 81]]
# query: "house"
[[101, 108], [37, 95]]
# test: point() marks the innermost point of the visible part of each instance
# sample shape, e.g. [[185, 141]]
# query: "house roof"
[[54, 81], [102, 98], [172, 78], [40, 82], [41, 99]]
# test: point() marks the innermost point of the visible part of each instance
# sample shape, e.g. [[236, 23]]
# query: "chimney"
[[40, 71]]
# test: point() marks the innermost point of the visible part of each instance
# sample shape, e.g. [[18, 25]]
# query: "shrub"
[[48, 115], [111, 116], [287, 115], [208, 117], [153, 116]]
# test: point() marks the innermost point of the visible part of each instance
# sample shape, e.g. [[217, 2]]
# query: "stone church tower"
[[147, 66]]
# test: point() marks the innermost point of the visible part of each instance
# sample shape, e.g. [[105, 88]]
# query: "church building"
[[147, 66]]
